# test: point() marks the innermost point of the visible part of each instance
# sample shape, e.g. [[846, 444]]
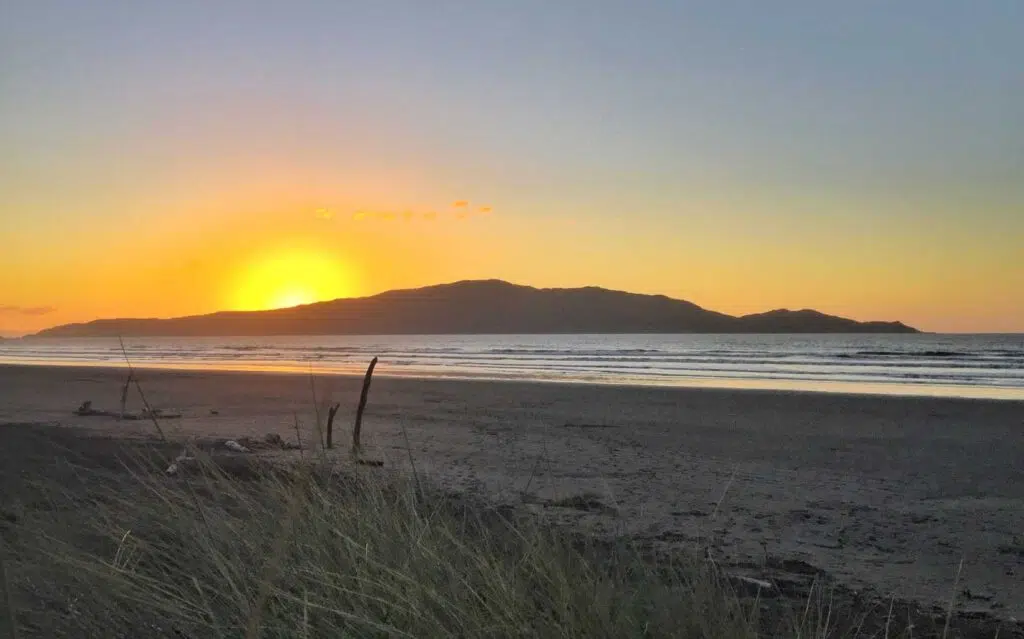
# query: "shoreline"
[[766, 385], [884, 493]]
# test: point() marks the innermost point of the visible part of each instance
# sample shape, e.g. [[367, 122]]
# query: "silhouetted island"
[[480, 307]]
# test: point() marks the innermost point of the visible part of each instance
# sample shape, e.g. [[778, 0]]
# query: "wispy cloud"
[[458, 210], [457, 213], [11, 309]]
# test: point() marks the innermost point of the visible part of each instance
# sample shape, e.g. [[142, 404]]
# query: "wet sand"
[[884, 493]]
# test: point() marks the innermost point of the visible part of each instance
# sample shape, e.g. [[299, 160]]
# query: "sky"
[[170, 158]]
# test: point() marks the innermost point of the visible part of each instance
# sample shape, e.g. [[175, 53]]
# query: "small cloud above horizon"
[[458, 210], [12, 309]]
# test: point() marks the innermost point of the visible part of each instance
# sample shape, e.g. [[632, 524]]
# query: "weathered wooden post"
[[362, 406]]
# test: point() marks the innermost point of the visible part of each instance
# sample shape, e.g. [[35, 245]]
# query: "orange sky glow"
[[251, 260]]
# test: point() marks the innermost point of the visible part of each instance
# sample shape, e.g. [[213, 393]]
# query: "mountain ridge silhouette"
[[479, 307]]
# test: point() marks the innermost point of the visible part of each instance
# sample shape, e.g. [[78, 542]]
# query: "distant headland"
[[480, 307]]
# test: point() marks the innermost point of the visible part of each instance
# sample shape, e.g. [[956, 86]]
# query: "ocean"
[[982, 366]]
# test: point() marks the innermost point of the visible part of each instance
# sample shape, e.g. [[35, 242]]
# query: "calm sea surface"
[[946, 365]]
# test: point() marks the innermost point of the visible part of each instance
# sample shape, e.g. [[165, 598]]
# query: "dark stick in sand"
[[362, 406], [142, 395]]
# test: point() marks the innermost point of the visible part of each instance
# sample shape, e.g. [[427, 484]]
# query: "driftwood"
[[235, 446], [270, 441], [86, 410], [362, 406]]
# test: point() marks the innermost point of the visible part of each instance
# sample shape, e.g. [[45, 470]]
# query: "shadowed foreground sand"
[[882, 493]]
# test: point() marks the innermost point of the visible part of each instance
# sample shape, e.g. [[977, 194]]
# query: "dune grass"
[[304, 551], [108, 545]]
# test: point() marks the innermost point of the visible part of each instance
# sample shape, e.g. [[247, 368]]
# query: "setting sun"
[[291, 279]]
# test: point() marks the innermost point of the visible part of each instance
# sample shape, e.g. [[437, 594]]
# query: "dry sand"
[[884, 493]]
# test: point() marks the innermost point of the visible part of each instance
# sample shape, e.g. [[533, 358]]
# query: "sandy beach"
[[889, 494]]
